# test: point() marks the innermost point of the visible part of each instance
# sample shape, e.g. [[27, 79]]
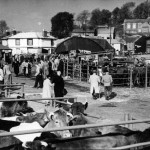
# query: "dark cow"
[[10, 143], [7, 125], [78, 108], [82, 120], [12, 108], [107, 141]]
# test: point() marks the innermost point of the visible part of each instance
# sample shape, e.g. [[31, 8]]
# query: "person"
[[58, 85], [107, 81], [94, 85], [1, 79], [45, 68], [48, 91], [100, 73], [7, 74], [16, 67], [39, 77]]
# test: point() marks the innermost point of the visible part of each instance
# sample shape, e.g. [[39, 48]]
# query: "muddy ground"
[[135, 101]]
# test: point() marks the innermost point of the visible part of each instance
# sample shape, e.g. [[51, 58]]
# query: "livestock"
[[10, 143], [78, 107], [82, 120], [6, 125], [11, 108], [60, 118], [93, 142]]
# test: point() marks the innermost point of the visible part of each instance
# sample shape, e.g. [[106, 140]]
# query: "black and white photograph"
[[74, 74]]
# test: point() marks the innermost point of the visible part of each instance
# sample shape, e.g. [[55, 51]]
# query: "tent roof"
[[4, 47], [84, 43]]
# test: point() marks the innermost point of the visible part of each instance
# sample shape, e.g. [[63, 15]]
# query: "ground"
[[135, 101]]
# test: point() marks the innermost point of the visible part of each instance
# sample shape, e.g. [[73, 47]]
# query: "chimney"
[[44, 33], [7, 33], [14, 32]]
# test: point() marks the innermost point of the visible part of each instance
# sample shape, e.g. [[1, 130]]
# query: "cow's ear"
[[85, 105]]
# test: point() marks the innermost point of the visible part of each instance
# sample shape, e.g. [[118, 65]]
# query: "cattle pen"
[[76, 127]]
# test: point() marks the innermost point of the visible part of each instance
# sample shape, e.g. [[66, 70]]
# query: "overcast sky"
[[35, 15]]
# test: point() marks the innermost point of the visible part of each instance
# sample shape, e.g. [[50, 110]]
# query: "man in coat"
[[107, 81], [94, 82]]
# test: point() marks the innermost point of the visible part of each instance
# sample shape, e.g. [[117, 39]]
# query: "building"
[[137, 26], [105, 32], [30, 42]]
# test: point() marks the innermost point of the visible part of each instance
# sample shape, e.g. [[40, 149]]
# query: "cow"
[[12, 108], [60, 118], [82, 120], [10, 142]]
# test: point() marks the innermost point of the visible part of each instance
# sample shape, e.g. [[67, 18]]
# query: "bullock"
[[82, 120], [10, 143], [106, 141], [59, 118], [13, 108]]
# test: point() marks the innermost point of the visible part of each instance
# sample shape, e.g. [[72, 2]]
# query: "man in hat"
[[94, 88], [107, 81]]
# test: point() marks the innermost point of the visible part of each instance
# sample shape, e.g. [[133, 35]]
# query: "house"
[[30, 42], [105, 32], [137, 26]]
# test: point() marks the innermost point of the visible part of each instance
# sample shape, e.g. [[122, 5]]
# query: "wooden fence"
[[7, 89]]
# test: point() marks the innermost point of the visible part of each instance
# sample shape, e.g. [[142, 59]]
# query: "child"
[[48, 90]]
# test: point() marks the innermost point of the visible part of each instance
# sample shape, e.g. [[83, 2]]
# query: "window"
[[29, 41], [52, 42], [128, 25], [134, 25], [17, 41]]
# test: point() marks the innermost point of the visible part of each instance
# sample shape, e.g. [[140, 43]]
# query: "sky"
[[35, 15]]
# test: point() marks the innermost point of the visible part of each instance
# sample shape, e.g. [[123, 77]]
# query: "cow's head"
[[78, 108], [59, 118]]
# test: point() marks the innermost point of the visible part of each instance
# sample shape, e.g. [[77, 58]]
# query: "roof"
[[106, 30], [92, 44], [4, 47], [132, 39], [113, 41], [135, 20], [82, 31], [34, 35]]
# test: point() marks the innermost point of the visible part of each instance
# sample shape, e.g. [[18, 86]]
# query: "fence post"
[[67, 67], [146, 77], [128, 117], [22, 88], [130, 78], [87, 71], [64, 72], [80, 72], [73, 67]]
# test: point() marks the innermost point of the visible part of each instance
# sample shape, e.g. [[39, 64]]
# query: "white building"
[[30, 42]]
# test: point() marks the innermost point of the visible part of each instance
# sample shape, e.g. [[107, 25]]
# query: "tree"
[[95, 18], [115, 16], [82, 18], [125, 12], [105, 17], [3, 27], [62, 24], [141, 11]]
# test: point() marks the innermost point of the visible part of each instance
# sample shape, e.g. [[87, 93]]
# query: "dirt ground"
[[135, 101]]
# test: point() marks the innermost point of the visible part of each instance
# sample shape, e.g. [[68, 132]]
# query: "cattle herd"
[[21, 117]]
